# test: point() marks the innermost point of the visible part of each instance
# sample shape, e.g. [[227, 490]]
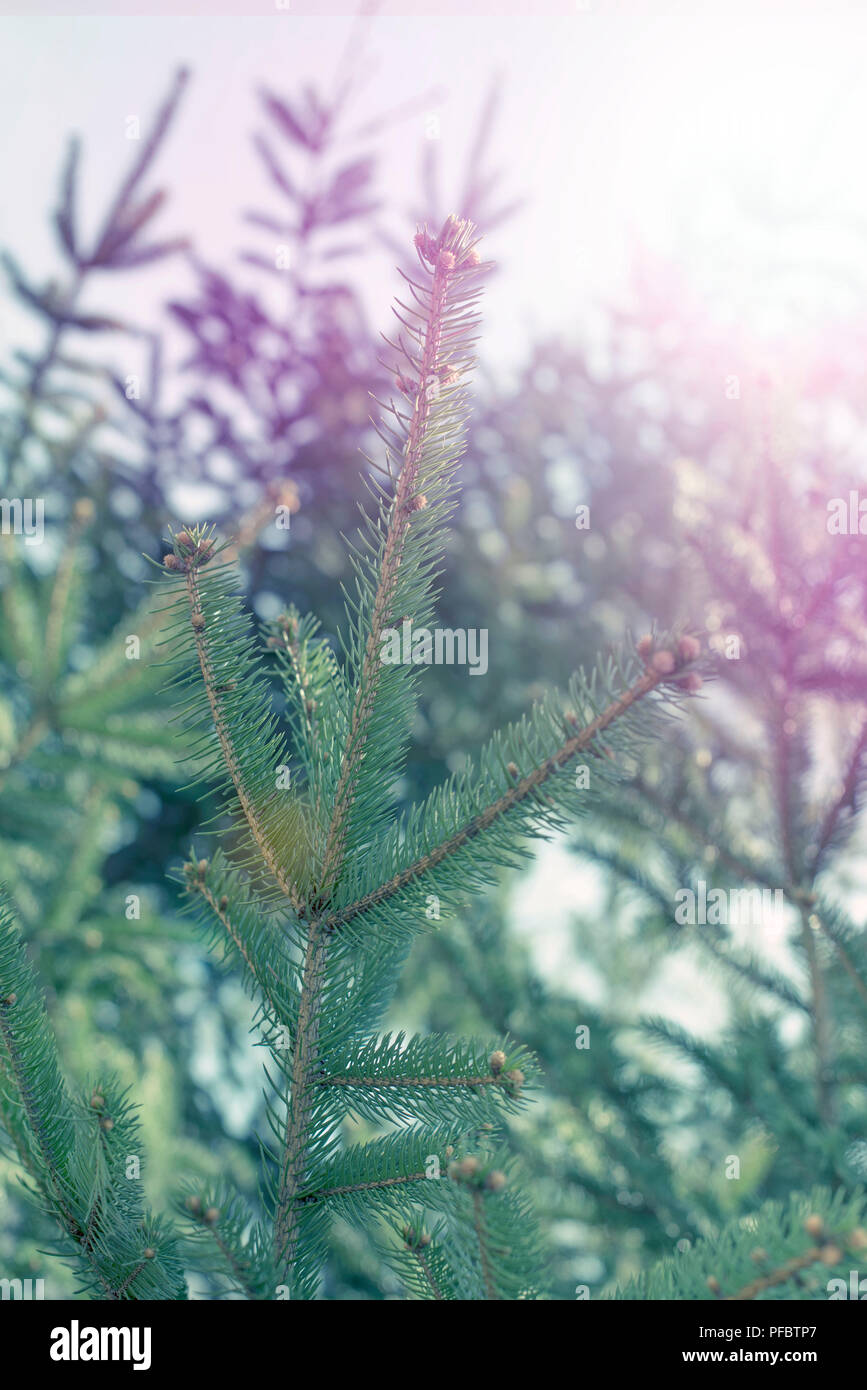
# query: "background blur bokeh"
[[674, 337]]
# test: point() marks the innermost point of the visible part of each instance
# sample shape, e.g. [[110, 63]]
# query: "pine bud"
[[10, 1000], [495, 1181], [197, 619], [645, 647], [149, 1253], [211, 1215], [471, 259], [512, 769], [858, 1239], [814, 1226], [414, 1239], [497, 1061], [468, 1167], [571, 718], [759, 1255], [106, 1123], [419, 502], [83, 509], [692, 683], [172, 562], [713, 1284], [422, 244], [224, 903], [688, 648], [184, 539], [194, 1204], [97, 1101], [517, 1079], [202, 867], [830, 1254], [663, 663], [447, 260]]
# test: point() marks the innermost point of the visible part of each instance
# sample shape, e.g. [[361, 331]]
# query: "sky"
[[726, 137]]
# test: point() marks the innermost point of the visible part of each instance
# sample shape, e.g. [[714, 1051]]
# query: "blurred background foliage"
[[707, 501]]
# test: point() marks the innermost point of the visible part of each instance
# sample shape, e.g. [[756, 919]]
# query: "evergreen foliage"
[[801, 1249], [76, 1151], [363, 854], [320, 890]]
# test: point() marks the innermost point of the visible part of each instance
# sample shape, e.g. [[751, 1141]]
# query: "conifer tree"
[[317, 890]]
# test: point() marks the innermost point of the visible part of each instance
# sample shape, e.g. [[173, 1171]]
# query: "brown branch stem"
[[482, 1236], [304, 1064], [375, 1082], [398, 525], [374, 1185], [429, 1275], [778, 1276], [524, 788], [235, 936], [230, 756]]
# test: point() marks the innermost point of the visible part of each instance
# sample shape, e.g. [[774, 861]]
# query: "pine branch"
[[820, 1019], [433, 423], [353, 874], [77, 1155], [322, 1194], [422, 1260], [428, 1079], [774, 1240], [424, 1265], [844, 802], [786, 1271], [83, 265], [316, 699], [58, 629], [244, 930], [258, 828], [305, 1060], [524, 793], [483, 1239], [228, 1243]]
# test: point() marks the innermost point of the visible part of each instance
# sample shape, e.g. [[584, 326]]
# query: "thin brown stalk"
[[429, 1275], [57, 604], [130, 1279], [482, 1236], [786, 1271], [847, 791], [524, 788], [819, 1011], [442, 1081], [49, 1158], [235, 936], [400, 519], [375, 1185], [230, 756], [301, 1099]]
